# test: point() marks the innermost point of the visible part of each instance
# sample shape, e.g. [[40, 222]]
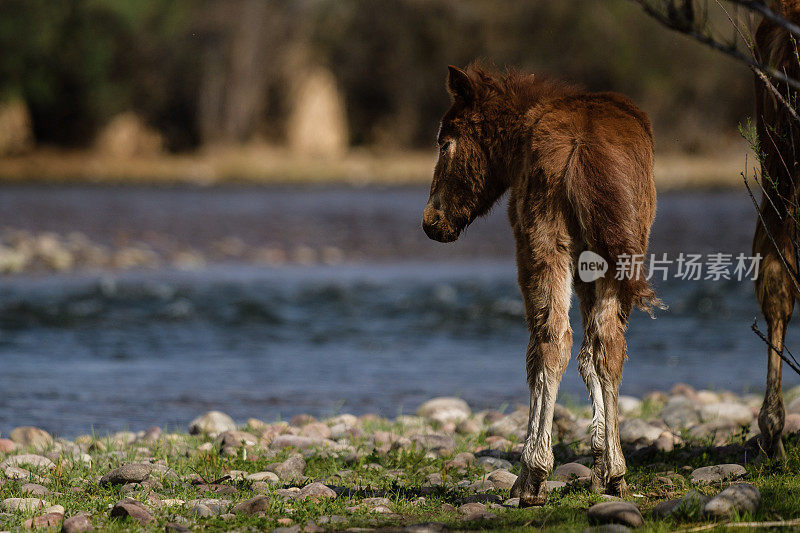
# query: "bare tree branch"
[[689, 28], [793, 365], [760, 7]]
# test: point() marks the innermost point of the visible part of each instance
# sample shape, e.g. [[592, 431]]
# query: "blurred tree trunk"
[[237, 68]]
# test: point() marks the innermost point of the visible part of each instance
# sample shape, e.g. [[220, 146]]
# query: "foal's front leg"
[[546, 360]]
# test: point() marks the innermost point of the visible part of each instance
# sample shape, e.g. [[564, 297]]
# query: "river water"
[[399, 320]]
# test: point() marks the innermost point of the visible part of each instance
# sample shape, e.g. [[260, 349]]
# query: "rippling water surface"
[[407, 320]]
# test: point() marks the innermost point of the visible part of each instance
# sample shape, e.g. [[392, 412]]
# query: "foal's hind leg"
[[547, 293], [776, 293], [586, 365], [608, 316]]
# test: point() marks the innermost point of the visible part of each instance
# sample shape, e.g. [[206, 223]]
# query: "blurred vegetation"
[[222, 71]]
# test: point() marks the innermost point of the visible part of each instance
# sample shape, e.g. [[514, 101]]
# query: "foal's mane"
[[518, 90]]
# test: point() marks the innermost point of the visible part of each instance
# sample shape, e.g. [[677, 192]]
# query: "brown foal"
[[578, 166]]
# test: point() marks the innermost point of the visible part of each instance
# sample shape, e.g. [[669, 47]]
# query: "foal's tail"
[[640, 294], [614, 202]]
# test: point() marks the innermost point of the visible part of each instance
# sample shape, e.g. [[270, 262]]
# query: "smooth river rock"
[[679, 413], [24, 504], [635, 430], [502, 479], [27, 459], [317, 491], [737, 498], [80, 523], [569, 471], [434, 441], [252, 506], [36, 438], [130, 508], [212, 423], [616, 512], [734, 412], [716, 473], [445, 410], [130, 473]]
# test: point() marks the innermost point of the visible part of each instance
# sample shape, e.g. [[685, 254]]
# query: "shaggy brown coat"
[[779, 139], [578, 166]]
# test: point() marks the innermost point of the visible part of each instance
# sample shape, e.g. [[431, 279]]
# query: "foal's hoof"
[[535, 497], [770, 448], [776, 450], [617, 487], [530, 493], [598, 485]]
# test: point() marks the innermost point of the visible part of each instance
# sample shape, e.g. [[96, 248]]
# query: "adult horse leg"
[[547, 295], [586, 366], [608, 316], [776, 293]]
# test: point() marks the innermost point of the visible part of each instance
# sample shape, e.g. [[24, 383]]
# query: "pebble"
[[235, 438], [24, 504], [570, 471], [736, 413], [252, 506], [690, 506], [629, 405], [792, 423], [316, 430], [717, 473], [7, 446], [28, 459], [212, 423], [289, 470], [736, 498], [35, 489], [216, 506], [80, 523], [794, 405], [616, 512], [468, 427], [502, 479], [513, 425], [317, 491], [470, 508], [434, 441], [679, 413], [28, 436], [130, 473], [445, 409], [665, 508], [490, 463], [607, 528], [130, 508], [300, 442], [269, 477], [45, 520], [635, 430], [665, 442]]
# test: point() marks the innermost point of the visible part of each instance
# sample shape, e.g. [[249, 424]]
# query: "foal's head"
[[465, 181]]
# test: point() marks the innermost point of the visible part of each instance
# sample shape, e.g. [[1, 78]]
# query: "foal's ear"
[[459, 84]]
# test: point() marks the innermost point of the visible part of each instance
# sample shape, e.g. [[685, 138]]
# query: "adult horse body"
[[579, 169], [776, 229]]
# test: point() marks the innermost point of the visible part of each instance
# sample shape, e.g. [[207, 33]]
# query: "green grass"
[[399, 476]]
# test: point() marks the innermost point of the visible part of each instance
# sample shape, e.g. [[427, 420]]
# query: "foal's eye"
[[443, 149]]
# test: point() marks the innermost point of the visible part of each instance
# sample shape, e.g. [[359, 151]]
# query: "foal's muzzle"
[[435, 223]]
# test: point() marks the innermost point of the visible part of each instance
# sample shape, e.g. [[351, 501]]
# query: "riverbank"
[[693, 462], [265, 164]]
